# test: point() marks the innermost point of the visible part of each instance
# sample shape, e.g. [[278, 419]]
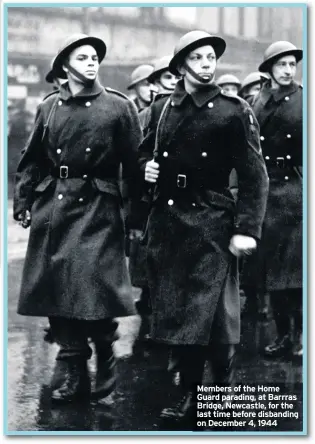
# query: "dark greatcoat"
[[75, 265], [192, 275], [279, 114]]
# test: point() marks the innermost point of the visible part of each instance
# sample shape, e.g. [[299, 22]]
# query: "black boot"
[[76, 385], [223, 360], [105, 383], [281, 347], [185, 407]]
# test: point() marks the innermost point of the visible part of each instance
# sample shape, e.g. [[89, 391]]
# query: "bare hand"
[[151, 171], [25, 219], [135, 234], [242, 245]]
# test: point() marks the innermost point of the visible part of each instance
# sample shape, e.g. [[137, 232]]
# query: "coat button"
[[262, 138], [287, 98], [286, 177], [81, 199], [170, 202], [165, 154], [172, 103], [60, 102], [88, 104], [267, 158], [204, 154], [60, 196], [289, 136], [88, 150], [84, 176], [210, 105], [288, 156], [58, 151], [193, 204]]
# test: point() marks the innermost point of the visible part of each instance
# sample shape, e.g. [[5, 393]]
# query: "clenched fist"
[[151, 171], [25, 219], [242, 245]]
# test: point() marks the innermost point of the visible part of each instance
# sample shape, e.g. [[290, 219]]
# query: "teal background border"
[[7, 432]]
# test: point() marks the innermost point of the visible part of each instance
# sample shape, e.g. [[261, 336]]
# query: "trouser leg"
[[296, 301], [103, 334], [190, 361], [280, 306], [71, 361]]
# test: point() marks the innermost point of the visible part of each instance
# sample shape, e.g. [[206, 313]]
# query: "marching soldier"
[[229, 83], [278, 109], [195, 230], [67, 191], [251, 85], [162, 78], [142, 88]]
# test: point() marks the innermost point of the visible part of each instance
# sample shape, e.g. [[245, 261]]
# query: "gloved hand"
[[242, 245], [25, 219]]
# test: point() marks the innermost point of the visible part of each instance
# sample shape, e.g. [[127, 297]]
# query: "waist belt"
[[279, 162], [189, 181], [66, 172]]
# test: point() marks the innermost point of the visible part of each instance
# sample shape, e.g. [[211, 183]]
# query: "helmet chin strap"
[[197, 76], [84, 80]]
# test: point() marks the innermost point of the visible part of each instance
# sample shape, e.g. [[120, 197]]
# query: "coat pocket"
[[105, 186], [219, 200]]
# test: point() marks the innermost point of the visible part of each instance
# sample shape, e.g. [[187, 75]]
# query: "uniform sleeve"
[[129, 139], [253, 182], [28, 171]]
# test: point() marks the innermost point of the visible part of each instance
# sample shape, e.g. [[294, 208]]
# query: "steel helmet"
[[75, 41], [50, 76], [160, 65], [191, 41], [277, 50], [142, 72], [228, 79], [252, 78]]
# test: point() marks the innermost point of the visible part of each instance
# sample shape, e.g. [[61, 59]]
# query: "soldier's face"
[[230, 89], [143, 90], [284, 70], [168, 80], [203, 62], [254, 89], [84, 60]]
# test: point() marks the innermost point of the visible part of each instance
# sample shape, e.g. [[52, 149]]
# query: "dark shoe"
[[185, 407], [76, 385], [106, 372], [281, 347]]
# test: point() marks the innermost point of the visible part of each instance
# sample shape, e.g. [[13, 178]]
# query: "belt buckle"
[[63, 172], [181, 180], [280, 162]]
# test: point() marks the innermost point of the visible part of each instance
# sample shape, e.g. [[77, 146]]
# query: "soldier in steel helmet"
[[196, 232], [278, 108], [67, 192], [229, 83], [251, 85], [141, 86]]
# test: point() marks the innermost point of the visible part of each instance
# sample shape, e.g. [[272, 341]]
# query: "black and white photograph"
[[155, 216]]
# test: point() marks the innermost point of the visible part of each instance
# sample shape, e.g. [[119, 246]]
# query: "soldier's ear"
[[181, 70], [65, 68]]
